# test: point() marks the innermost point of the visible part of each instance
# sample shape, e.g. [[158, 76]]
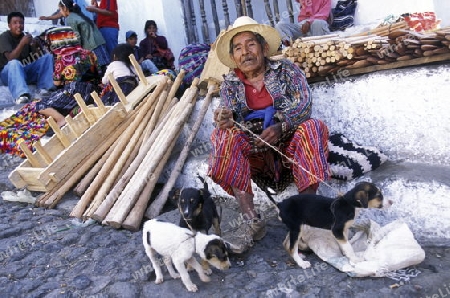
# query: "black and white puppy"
[[335, 214], [198, 210], [178, 246]]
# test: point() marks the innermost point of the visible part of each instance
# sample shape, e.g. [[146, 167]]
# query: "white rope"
[[402, 274], [283, 155]]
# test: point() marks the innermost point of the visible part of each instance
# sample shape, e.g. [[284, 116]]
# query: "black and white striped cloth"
[[349, 160]]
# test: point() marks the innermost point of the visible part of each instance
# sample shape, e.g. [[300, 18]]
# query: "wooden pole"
[[108, 202], [155, 208], [176, 84], [131, 192], [103, 210], [109, 178], [52, 198], [89, 177], [110, 168], [134, 218]]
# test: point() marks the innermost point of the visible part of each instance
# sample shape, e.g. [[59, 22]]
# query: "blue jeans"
[[111, 36], [147, 64], [289, 31], [18, 74]]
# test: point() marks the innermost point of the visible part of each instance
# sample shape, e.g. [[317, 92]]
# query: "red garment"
[[104, 21], [232, 165], [314, 10], [256, 100]]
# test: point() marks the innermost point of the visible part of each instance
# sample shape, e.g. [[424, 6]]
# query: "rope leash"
[[283, 155]]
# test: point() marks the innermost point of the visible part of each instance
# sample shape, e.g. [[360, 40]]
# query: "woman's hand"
[[223, 118], [270, 135], [305, 27]]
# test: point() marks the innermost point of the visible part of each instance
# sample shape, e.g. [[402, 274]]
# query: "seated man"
[[20, 64], [147, 65], [273, 100], [312, 21]]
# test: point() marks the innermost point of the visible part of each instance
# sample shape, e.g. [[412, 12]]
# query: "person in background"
[[148, 67], [107, 21], [123, 72], [90, 37], [21, 64], [57, 15], [271, 99], [312, 21], [154, 47]]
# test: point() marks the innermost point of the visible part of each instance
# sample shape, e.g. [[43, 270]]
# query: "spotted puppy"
[[198, 210], [335, 214], [178, 246]]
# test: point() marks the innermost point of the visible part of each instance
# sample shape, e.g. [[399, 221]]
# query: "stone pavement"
[[45, 253]]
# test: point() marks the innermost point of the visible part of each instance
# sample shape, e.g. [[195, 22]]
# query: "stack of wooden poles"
[[320, 56], [117, 189]]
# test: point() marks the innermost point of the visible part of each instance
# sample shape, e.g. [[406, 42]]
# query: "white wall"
[[442, 9]]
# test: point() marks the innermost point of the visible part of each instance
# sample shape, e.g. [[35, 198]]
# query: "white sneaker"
[[24, 98]]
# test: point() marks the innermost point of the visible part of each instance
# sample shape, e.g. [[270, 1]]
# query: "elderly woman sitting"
[[272, 100]]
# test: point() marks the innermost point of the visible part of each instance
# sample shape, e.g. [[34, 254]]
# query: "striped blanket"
[[26, 125]]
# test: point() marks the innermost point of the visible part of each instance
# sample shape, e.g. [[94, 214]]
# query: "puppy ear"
[[174, 195], [230, 247], [362, 197]]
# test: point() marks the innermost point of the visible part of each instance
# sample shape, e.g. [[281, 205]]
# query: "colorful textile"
[[286, 84], [192, 59], [348, 160], [314, 10], [232, 165], [63, 100], [62, 40], [422, 21], [26, 125], [127, 84], [73, 66], [103, 57], [166, 72], [343, 15]]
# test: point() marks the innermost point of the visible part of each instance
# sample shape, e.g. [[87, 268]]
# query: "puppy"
[[322, 212], [198, 210], [178, 246]]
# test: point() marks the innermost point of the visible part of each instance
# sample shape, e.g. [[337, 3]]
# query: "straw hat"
[[243, 24]]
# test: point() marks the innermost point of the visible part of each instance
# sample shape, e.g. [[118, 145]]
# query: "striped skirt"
[[102, 55], [231, 163]]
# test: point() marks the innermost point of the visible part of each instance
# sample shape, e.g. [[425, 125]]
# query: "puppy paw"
[[205, 278], [159, 280], [175, 275], [354, 260], [192, 288], [207, 271], [304, 264]]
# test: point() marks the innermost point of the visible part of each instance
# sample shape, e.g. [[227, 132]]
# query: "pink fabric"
[[314, 10]]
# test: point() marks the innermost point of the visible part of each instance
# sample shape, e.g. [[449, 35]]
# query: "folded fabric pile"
[[26, 125]]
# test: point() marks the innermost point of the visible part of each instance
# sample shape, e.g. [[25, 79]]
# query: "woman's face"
[[151, 30], [64, 11]]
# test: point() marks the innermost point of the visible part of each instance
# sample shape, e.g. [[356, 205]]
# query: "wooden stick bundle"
[[145, 171]]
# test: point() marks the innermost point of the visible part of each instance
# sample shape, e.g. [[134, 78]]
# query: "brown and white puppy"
[[178, 246], [335, 214]]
